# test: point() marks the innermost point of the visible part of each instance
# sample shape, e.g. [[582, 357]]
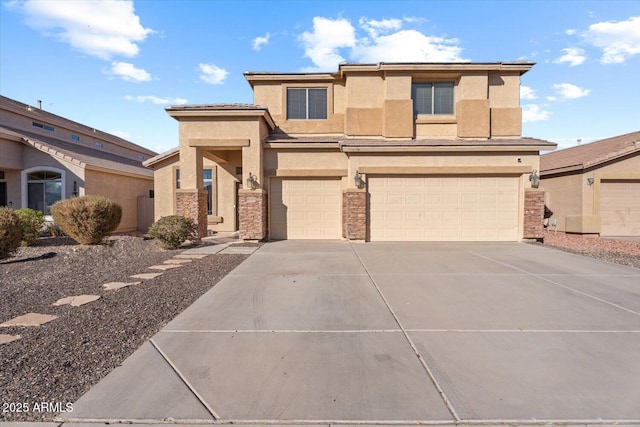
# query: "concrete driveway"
[[338, 332]]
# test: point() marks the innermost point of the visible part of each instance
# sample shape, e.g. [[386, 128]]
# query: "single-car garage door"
[[305, 208], [451, 208], [620, 208]]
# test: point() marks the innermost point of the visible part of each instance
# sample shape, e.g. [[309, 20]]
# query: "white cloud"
[[376, 41], [322, 45], [129, 72], [260, 41], [374, 27], [619, 40], [408, 46], [552, 98], [156, 100], [102, 29], [212, 74], [569, 91], [527, 93], [533, 113], [570, 32], [572, 55]]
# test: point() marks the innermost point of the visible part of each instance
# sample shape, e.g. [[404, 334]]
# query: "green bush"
[[87, 219], [31, 222], [172, 231], [10, 232]]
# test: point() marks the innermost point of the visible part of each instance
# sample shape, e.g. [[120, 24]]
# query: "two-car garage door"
[[443, 208], [620, 208], [421, 208]]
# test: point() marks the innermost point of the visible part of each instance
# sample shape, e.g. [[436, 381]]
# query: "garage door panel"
[[620, 208], [444, 208], [305, 209]]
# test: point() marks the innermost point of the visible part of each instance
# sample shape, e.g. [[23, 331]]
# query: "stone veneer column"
[[354, 214], [252, 213], [193, 204], [533, 213]]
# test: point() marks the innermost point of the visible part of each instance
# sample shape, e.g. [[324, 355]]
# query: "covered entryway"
[[305, 208], [620, 208], [443, 208]]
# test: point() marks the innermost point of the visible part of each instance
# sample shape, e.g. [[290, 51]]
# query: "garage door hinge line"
[[432, 377], [185, 381], [541, 277]]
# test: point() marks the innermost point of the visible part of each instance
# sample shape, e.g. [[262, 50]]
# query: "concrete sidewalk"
[[392, 333]]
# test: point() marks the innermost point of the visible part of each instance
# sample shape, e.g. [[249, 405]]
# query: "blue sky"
[[115, 65]]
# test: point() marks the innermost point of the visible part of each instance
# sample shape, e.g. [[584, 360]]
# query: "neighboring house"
[[388, 151], [45, 158], [595, 188]]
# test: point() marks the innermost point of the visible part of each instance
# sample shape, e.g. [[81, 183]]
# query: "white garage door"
[[306, 209], [444, 208], [620, 208]]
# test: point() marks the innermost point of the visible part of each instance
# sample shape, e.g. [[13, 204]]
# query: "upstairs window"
[[432, 98], [306, 103]]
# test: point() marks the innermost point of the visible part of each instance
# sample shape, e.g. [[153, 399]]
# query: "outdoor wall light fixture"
[[534, 178], [252, 182], [75, 189], [590, 181], [358, 180]]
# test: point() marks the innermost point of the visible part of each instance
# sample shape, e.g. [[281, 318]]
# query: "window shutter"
[[443, 98], [317, 104], [296, 104]]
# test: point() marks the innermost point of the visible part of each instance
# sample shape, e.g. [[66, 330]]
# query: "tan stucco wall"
[[485, 104], [563, 197], [13, 179], [123, 190], [473, 118], [504, 90], [11, 154]]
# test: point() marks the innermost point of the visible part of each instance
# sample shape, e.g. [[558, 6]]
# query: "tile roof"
[[525, 141], [588, 155], [40, 114], [215, 107], [78, 154]]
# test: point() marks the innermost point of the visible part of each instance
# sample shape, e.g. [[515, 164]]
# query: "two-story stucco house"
[[387, 151], [45, 158]]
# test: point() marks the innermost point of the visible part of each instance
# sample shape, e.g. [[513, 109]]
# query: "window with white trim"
[[432, 98], [307, 103], [44, 188]]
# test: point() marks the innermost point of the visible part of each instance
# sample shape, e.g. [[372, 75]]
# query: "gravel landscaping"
[[60, 360], [625, 252]]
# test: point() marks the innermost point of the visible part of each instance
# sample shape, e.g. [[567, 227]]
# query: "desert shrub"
[[10, 232], [172, 231], [54, 230], [31, 222], [87, 219]]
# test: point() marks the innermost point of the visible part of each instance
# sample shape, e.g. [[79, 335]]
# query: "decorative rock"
[[29, 319], [165, 266], [77, 301], [112, 286], [146, 276], [6, 339]]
